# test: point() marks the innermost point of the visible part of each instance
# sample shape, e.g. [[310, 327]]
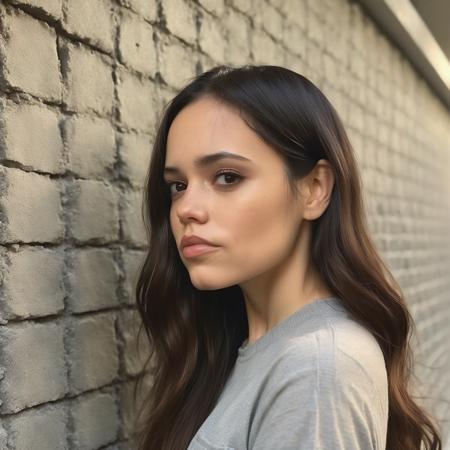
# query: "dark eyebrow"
[[206, 160]]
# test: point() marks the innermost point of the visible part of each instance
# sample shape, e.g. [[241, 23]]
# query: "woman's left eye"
[[227, 174]]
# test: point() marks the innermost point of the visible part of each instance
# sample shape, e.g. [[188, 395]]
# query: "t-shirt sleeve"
[[327, 404]]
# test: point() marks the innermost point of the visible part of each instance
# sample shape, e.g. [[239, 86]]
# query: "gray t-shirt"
[[316, 380]]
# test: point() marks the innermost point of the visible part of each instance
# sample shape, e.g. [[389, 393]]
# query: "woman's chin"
[[210, 284]]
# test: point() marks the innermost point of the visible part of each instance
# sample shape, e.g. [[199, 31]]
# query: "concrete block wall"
[[82, 84]]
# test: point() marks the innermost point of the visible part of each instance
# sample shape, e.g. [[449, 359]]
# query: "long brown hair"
[[194, 335]]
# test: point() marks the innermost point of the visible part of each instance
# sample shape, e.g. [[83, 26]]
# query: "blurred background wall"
[[82, 85]]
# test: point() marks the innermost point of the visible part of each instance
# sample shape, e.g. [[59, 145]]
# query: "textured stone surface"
[[95, 420], [136, 46], [88, 77], [132, 262], [32, 282], [42, 428], [90, 145], [135, 351], [93, 21], [180, 19], [132, 224], [93, 211], [135, 152], [41, 147], [50, 8], [32, 205], [94, 279], [19, 53], [175, 62], [33, 355], [137, 112], [93, 352]]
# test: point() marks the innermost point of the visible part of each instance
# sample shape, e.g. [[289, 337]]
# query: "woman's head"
[[229, 186], [300, 185]]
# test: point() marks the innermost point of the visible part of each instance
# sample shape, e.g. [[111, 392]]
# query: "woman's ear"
[[316, 190]]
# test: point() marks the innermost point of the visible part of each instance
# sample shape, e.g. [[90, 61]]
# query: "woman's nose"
[[192, 205]]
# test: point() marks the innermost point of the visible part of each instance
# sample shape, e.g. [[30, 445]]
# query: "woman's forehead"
[[211, 127]]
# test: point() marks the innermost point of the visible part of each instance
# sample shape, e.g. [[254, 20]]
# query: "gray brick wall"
[[82, 84]]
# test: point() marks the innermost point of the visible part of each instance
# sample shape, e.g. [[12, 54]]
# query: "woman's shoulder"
[[335, 336], [353, 341], [331, 382], [340, 351]]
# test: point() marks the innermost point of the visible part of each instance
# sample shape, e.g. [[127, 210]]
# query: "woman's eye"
[[169, 186], [227, 175]]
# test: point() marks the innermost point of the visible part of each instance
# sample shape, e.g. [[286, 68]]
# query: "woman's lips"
[[197, 249]]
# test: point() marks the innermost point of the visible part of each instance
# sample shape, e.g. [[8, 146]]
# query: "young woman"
[[273, 322]]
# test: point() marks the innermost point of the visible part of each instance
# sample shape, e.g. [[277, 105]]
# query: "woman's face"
[[247, 212]]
